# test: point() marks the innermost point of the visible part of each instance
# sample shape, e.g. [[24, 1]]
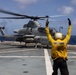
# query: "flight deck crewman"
[[59, 51]]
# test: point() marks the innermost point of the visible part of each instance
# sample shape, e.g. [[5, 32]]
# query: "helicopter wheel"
[[36, 46], [25, 44]]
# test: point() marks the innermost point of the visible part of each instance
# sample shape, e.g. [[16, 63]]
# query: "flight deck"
[[20, 60]]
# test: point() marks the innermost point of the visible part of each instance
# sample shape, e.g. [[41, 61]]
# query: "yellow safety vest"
[[59, 46]]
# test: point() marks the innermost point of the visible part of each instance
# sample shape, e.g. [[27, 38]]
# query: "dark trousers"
[[61, 64]]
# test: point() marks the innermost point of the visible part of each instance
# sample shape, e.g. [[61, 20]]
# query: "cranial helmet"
[[58, 35]]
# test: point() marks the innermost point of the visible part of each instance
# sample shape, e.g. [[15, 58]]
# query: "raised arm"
[[49, 36], [69, 31]]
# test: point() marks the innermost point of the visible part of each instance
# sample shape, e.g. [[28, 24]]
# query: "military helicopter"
[[31, 32]]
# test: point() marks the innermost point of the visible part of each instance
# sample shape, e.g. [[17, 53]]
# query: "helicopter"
[[31, 32]]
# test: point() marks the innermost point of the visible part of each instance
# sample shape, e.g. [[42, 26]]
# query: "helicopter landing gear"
[[25, 44]]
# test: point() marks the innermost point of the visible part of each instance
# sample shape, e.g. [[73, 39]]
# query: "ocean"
[[73, 40]]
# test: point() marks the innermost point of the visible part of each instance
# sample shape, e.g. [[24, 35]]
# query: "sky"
[[66, 8]]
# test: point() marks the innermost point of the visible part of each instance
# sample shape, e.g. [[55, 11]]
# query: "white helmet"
[[58, 35]]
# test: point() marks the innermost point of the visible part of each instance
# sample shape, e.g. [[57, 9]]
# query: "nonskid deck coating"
[[30, 61]]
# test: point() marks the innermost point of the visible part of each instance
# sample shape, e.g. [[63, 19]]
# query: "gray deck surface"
[[17, 60]]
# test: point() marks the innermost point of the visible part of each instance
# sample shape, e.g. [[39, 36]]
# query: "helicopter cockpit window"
[[51, 31], [25, 25], [33, 24], [41, 29]]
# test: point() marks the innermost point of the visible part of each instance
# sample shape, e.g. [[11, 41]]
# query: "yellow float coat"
[[59, 49]]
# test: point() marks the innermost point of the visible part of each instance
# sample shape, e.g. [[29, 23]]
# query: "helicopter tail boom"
[[2, 31]]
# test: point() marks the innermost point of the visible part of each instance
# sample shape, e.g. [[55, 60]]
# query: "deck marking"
[[8, 51], [30, 57], [21, 56], [72, 52], [72, 57], [49, 69]]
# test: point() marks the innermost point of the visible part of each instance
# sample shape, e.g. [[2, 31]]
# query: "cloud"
[[74, 22], [24, 3], [73, 1], [66, 10]]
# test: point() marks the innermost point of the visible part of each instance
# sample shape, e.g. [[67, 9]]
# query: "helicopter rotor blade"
[[12, 18], [22, 16], [12, 13], [57, 16], [29, 17]]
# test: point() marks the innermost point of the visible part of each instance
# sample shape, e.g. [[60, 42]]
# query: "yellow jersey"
[[59, 49]]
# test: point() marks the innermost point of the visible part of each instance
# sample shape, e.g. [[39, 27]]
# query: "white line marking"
[[21, 56], [72, 52], [71, 56], [49, 69], [8, 51], [30, 57]]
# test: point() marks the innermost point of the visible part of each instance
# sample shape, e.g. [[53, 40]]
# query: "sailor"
[[59, 51]]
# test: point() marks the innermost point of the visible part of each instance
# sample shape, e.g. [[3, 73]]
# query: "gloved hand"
[[69, 21], [47, 22]]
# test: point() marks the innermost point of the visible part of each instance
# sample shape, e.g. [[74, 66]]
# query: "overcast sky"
[[40, 8]]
